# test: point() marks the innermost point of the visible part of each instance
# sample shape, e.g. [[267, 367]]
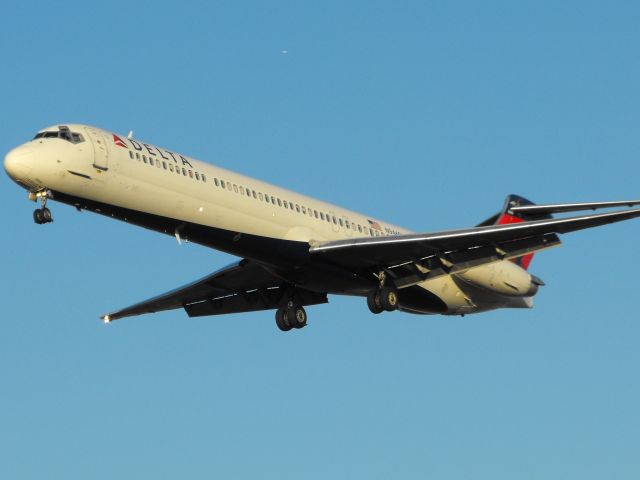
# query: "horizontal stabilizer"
[[568, 207]]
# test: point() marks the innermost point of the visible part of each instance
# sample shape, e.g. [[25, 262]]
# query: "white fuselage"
[[114, 170]]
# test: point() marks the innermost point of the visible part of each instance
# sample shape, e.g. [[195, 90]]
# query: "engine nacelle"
[[503, 278]]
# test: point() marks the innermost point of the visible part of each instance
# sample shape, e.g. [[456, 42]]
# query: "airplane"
[[294, 250]]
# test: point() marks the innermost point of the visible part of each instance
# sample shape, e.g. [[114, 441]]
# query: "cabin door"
[[100, 149]]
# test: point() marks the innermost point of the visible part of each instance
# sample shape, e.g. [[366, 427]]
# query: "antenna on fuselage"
[[130, 136]]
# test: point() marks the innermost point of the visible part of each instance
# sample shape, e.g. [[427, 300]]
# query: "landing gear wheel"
[[281, 320], [46, 215], [373, 302], [296, 316], [38, 216], [388, 298]]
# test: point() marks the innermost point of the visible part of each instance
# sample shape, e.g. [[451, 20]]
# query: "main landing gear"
[[384, 298], [42, 215], [291, 316]]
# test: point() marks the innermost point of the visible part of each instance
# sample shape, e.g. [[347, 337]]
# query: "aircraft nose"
[[18, 162]]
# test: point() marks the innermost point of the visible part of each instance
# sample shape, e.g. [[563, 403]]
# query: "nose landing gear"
[[42, 215]]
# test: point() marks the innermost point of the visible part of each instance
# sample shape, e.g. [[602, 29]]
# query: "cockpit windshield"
[[64, 133]]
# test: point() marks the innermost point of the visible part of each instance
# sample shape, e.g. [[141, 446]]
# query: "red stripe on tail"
[[525, 260]]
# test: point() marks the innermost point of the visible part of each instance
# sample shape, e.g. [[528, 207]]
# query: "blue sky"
[[425, 114]]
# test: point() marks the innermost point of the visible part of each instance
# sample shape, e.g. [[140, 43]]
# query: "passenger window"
[[360, 228], [144, 159], [273, 199], [164, 165], [297, 208], [184, 171], [241, 190], [340, 220], [215, 182], [137, 155], [315, 213], [304, 210], [279, 202], [255, 195], [204, 179], [190, 173], [321, 216], [334, 221], [235, 188], [171, 168], [260, 196], [229, 187], [157, 163], [197, 176], [131, 154]]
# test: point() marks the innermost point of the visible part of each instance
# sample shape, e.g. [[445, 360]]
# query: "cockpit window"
[[67, 135]]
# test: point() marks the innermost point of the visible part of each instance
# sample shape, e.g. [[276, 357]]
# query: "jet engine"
[[503, 278]]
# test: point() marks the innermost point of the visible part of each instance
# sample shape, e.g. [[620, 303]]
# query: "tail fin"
[[506, 216]]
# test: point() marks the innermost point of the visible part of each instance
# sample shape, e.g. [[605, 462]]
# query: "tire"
[[46, 215], [38, 216], [297, 317], [373, 302], [389, 299], [281, 320]]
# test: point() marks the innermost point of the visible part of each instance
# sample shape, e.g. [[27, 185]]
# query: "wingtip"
[[106, 319]]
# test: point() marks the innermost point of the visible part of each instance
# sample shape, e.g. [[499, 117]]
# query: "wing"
[[414, 258], [244, 286]]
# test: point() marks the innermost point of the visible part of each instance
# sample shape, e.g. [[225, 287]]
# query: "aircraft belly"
[[290, 259]]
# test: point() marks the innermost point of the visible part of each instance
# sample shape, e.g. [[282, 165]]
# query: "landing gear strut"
[[291, 316], [384, 298], [42, 215]]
